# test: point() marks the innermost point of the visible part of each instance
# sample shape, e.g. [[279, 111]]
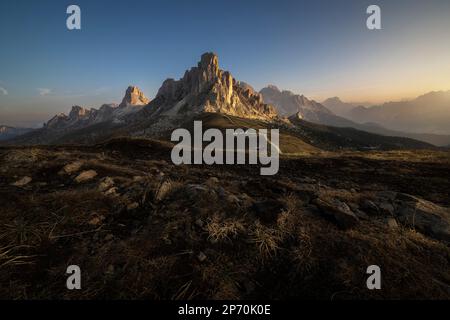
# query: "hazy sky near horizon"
[[317, 48]]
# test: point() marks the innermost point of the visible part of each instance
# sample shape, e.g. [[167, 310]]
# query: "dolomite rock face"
[[80, 117], [287, 104], [134, 97], [207, 88]]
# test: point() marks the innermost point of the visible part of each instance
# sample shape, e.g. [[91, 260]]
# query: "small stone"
[[233, 199], [111, 192], [361, 214], [86, 176], [96, 220], [211, 182], [71, 168], [370, 207], [386, 208], [110, 269], [341, 212], [387, 195], [105, 184], [22, 182], [199, 223], [392, 223], [132, 206], [201, 257], [109, 237]]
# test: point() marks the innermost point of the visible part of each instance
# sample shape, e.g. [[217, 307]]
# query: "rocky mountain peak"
[[56, 121], [334, 100], [289, 103], [272, 87], [209, 61], [134, 97], [207, 88], [78, 112]]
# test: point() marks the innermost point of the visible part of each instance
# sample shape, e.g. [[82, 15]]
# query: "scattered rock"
[[22, 182], [370, 207], [86, 176], [109, 237], [233, 199], [105, 184], [199, 223], [132, 206], [96, 220], [344, 217], [392, 223], [200, 193], [387, 195], [212, 182], [425, 216], [163, 190], [201, 257], [361, 214], [111, 192], [71, 168], [110, 270], [386, 208]]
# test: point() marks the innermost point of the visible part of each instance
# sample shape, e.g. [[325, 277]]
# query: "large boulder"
[[340, 211], [424, 216]]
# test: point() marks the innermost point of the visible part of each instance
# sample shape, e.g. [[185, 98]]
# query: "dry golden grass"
[[267, 240], [152, 251], [224, 230]]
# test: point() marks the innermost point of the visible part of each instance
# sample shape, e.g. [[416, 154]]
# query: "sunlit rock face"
[[207, 88], [134, 97]]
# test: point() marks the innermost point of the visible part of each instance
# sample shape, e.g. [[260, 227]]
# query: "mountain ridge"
[[287, 103], [428, 113], [204, 89]]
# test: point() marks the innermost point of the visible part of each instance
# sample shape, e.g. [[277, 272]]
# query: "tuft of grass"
[[266, 239], [10, 256], [224, 231]]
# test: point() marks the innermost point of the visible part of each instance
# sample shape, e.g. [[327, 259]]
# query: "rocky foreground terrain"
[[141, 228]]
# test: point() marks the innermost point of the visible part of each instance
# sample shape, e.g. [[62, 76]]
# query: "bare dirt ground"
[[141, 228]]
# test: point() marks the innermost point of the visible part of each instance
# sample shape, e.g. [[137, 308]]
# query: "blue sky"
[[318, 48]]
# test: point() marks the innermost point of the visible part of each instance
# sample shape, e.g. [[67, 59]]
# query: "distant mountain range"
[[428, 113], [7, 132], [288, 104], [340, 108], [206, 89]]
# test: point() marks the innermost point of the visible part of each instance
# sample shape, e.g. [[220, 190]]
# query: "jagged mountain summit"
[[7, 132], [299, 107], [134, 97], [80, 117], [96, 121], [427, 113], [207, 88], [287, 103], [339, 107], [204, 92]]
